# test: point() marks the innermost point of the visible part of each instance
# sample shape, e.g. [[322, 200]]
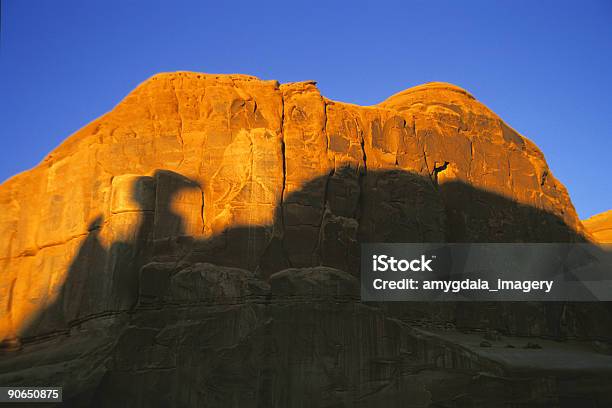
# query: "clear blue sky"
[[543, 66]]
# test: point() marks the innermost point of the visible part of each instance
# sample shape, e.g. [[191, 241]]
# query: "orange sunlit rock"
[[600, 226], [205, 165]]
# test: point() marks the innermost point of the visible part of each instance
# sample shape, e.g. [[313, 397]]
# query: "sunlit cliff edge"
[[199, 246], [246, 145], [600, 226]]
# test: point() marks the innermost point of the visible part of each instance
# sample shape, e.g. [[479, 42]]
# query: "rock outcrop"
[[199, 245], [600, 227]]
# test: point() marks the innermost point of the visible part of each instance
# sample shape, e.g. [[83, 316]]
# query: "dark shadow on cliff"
[[104, 281], [323, 223]]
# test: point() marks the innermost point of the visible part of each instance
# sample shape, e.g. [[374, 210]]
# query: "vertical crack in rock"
[[429, 173], [180, 127], [469, 172], [363, 150], [401, 143], [202, 214], [282, 146], [281, 205], [317, 249], [250, 252], [544, 177], [361, 178], [9, 301], [421, 142], [324, 130]]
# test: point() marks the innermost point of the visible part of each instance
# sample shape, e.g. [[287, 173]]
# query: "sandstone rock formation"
[[600, 226], [198, 245]]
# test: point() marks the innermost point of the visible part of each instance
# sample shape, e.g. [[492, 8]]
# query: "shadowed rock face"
[[199, 245]]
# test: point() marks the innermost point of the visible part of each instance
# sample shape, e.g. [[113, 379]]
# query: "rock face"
[[199, 246], [600, 226]]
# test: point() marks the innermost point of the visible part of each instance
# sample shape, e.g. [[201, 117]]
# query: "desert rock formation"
[[600, 226], [208, 228]]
